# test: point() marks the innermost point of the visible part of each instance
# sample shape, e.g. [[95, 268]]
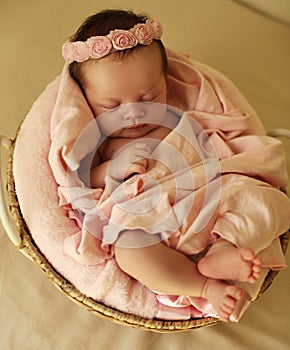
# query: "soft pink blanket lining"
[[61, 114]]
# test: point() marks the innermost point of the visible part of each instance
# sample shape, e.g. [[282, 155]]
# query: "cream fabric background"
[[278, 9], [251, 49]]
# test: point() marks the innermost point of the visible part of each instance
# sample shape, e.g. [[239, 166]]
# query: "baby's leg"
[[228, 262], [168, 271]]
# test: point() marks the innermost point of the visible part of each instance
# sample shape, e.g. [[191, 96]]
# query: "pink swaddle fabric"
[[250, 210]]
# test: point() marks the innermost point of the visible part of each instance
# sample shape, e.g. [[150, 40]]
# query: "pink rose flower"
[[156, 27], [122, 39], [144, 33], [100, 46], [68, 52], [81, 51]]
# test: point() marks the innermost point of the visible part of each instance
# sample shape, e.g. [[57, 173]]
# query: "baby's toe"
[[247, 254], [252, 279], [234, 292], [227, 308], [256, 268], [224, 316], [257, 261]]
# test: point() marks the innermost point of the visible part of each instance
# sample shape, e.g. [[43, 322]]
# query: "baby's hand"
[[131, 159]]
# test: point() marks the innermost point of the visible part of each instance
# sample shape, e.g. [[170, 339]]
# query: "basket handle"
[[279, 133], [6, 219]]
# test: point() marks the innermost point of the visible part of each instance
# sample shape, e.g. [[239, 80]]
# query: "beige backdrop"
[[252, 50]]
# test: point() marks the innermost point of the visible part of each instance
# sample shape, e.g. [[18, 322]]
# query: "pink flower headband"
[[97, 47]]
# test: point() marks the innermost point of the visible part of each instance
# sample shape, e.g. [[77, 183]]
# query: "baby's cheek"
[[110, 122]]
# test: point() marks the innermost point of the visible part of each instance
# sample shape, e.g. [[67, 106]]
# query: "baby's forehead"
[[135, 69]]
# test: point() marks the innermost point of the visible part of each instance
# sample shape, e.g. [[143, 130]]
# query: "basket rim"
[[97, 308]]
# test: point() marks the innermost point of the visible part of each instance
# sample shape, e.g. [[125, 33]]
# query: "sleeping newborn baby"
[[166, 195]]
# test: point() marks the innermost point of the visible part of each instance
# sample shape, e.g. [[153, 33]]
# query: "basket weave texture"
[[28, 246]]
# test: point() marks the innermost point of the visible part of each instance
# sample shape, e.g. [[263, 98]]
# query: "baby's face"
[[116, 88]]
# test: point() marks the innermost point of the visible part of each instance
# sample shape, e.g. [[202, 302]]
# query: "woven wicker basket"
[[28, 247]]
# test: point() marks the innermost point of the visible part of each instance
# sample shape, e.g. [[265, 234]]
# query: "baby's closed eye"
[[110, 106], [149, 97]]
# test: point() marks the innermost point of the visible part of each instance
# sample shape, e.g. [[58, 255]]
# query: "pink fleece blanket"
[[251, 168]]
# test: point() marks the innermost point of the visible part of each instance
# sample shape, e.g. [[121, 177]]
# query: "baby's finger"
[[142, 162], [135, 169]]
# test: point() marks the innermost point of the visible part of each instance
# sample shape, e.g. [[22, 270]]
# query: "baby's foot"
[[228, 301], [231, 263]]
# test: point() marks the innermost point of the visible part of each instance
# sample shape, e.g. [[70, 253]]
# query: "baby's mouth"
[[135, 126]]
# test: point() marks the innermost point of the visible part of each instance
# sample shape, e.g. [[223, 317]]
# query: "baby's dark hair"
[[102, 23]]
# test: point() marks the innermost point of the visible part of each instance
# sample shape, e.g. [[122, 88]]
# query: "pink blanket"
[[250, 209]]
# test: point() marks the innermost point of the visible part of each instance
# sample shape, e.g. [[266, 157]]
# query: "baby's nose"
[[133, 112]]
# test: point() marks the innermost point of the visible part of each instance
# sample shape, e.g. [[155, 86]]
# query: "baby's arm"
[[98, 174]]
